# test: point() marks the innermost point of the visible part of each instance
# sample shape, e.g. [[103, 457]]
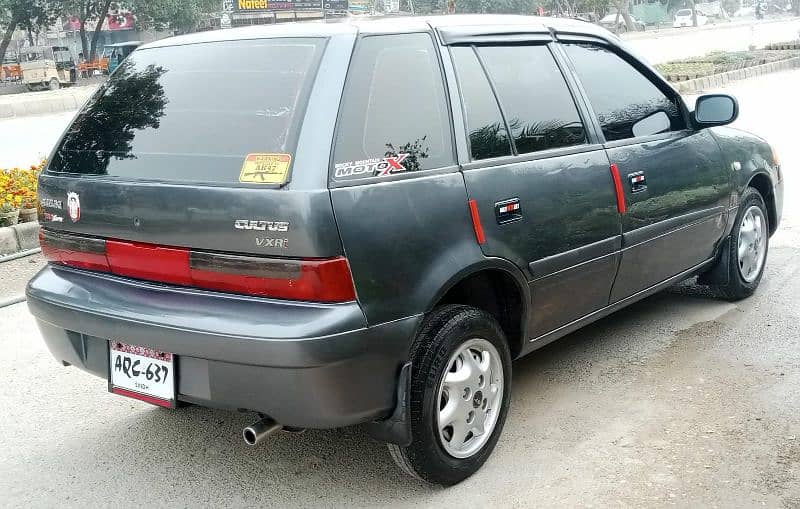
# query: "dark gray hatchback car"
[[365, 222]]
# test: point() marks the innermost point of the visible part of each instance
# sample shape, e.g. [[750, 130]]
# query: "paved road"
[[672, 44], [25, 141], [679, 400]]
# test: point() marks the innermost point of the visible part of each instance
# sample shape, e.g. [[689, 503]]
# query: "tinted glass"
[[620, 95], [394, 117], [488, 136], [536, 102], [194, 112]]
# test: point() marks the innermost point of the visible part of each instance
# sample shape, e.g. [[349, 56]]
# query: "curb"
[[35, 104], [722, 79], [19, 237], [16, 299]]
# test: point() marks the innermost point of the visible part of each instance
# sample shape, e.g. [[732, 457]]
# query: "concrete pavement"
[[679, 400], [673, 44]]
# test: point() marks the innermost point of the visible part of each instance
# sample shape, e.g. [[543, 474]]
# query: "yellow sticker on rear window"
[[266, 168]]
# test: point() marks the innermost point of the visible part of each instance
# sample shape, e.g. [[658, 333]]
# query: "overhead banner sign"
[[287, 5]]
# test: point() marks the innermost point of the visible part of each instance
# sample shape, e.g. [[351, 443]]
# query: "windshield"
[[31, 56], [194, 112], [684, 12], [62, 55]]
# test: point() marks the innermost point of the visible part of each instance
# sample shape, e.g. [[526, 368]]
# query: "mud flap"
[[396, 429], [719, 274]]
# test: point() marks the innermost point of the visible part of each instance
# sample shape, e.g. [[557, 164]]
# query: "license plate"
[[142, 373]]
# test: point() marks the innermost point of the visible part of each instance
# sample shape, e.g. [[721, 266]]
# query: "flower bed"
[[18, 194]]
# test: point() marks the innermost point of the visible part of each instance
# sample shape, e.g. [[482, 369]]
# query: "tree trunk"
[[84, 40], [12, 25], [101, 18], [622, 10], [694, 13]]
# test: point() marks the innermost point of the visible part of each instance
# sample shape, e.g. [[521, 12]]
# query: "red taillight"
[[326, 280], [317, 280], [81, 252], [148, 261]]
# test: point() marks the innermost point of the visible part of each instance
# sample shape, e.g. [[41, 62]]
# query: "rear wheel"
[[747, 249], [54, 84], [460, 388]]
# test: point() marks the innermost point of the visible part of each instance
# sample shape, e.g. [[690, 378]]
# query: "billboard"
[[241, 6]]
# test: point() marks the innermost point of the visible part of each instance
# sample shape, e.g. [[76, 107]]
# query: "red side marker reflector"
[[618, 188], [142, 397], [476, 222]]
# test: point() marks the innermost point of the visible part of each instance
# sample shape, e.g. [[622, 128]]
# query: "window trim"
[[493, 88], [532, 156], [450, 168], [647, 72]]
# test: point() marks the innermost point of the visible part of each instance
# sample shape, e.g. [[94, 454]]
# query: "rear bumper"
[[303, 364]]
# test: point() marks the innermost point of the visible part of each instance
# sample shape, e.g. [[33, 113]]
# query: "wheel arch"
[[498, 287], [762, 183]]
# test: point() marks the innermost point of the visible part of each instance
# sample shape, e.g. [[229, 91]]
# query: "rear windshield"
[[195, 112], [684, 12]]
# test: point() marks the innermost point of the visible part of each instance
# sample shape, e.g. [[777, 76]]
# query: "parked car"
[[382, 216], [616, 23], [683, 18]]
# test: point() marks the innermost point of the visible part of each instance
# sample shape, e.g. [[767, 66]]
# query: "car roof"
[[489, 23], [124, 44]]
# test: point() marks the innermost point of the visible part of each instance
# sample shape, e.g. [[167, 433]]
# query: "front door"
[[539, 179], [675, 182]]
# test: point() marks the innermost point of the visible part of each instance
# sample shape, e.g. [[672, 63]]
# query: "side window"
[[538, 106], [488, 136], [393, 116], [626, 102]]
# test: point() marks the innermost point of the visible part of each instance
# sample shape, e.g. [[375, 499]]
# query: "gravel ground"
[[14, 274], [679, 400]]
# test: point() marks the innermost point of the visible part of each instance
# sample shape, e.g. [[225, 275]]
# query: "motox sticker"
[[375, 167], [265, 168]]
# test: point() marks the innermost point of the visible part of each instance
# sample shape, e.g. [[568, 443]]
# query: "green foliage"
[[176, 15]]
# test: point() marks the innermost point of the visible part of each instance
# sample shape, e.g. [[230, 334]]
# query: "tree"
[[28, 15], [623, 9], [88, 10], [175, 15]]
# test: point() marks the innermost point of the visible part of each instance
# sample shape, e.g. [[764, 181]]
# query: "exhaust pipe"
[[260, 430]]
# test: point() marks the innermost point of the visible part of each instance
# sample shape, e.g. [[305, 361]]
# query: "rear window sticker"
[[375, 167], [265, 168]]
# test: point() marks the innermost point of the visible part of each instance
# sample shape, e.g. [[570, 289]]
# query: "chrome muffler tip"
[[260, 430]]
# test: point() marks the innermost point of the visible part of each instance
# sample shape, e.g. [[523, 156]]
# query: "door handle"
[[637, 181], [508, 211]]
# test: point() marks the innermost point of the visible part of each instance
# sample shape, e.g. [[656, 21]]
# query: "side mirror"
[[715, 109]]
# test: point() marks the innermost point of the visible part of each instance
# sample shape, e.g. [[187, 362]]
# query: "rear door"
[[201, 146], [675, 182], [539, 179]]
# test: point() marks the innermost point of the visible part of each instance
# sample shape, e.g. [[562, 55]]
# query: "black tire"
[[442, 333], [737, 287], [53, 84]]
